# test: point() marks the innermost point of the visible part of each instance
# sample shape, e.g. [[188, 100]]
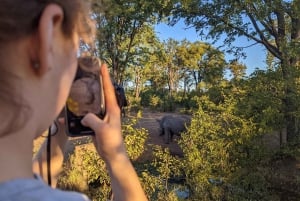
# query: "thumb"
[[61, 120], [92, 121]]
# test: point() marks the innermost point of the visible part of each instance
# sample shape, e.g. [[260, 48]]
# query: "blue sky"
[[256, 55]]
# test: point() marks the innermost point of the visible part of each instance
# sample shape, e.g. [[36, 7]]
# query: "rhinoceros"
[[171, 125]]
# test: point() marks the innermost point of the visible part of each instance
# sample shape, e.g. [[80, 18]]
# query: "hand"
[[110, 146], [108, 136]]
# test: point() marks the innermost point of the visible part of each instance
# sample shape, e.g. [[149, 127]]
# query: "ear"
[[50, 27]]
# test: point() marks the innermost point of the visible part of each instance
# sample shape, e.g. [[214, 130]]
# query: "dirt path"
[[149, 122]]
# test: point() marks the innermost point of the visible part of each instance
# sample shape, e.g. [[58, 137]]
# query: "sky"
[[256, 55]]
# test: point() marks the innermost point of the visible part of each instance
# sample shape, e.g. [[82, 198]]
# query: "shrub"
[[221, 152], [157, 175], [86, 171], [134, 138], [155, 102]]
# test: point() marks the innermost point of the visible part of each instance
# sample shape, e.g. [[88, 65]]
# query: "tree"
[[273, 24], [118, 23], [261, 100], [140, 67], [237, 70], [203, 62], [171, 65]]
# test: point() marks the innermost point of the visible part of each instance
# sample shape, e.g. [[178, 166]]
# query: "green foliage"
[[134, 138], [262, 100], [135, 103], [220, 149], [151, 184], [224, 159], [190, 102], [160, 101], [201, 61], [87, 172], [252, 19], [146, 96], [169, 104], [72, 178], [97, 176], [275, 25], [166, 165], [125, 31], [163, 168], [155, 101]]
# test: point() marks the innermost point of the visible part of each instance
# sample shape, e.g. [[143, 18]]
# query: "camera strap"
[[49, 156]]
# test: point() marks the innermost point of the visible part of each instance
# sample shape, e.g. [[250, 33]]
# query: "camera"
[[86, 95]]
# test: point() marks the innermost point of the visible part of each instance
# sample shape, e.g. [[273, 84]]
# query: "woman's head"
[[19, 18], [38, 47]]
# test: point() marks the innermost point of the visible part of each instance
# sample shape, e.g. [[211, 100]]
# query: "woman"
[[38, 59]]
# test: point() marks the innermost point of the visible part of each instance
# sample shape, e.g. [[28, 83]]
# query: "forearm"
[[124, 180], [58, 143]]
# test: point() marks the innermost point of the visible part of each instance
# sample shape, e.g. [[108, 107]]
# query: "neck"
[[16, 156]]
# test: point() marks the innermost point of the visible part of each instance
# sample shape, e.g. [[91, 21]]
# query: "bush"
[[134, 138], [157, 175], [86, 171], [221, 152], [155, 102]]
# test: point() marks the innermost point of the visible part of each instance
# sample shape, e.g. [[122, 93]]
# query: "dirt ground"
[[149, 122]]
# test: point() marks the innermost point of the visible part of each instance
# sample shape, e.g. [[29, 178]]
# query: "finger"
[[109, 91], [92, 121], [61, 120]]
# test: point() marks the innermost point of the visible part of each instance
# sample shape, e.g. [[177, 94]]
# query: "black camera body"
[[86, 95]]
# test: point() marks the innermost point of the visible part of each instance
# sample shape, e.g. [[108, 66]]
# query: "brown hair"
[[18, 19]]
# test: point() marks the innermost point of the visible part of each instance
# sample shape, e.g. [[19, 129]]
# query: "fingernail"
[[83, 122]]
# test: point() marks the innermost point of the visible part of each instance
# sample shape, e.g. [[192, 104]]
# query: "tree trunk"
[[137, 85], [290, 99], [290, 68]]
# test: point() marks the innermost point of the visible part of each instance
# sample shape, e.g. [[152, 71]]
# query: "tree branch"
[[263, 40]]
